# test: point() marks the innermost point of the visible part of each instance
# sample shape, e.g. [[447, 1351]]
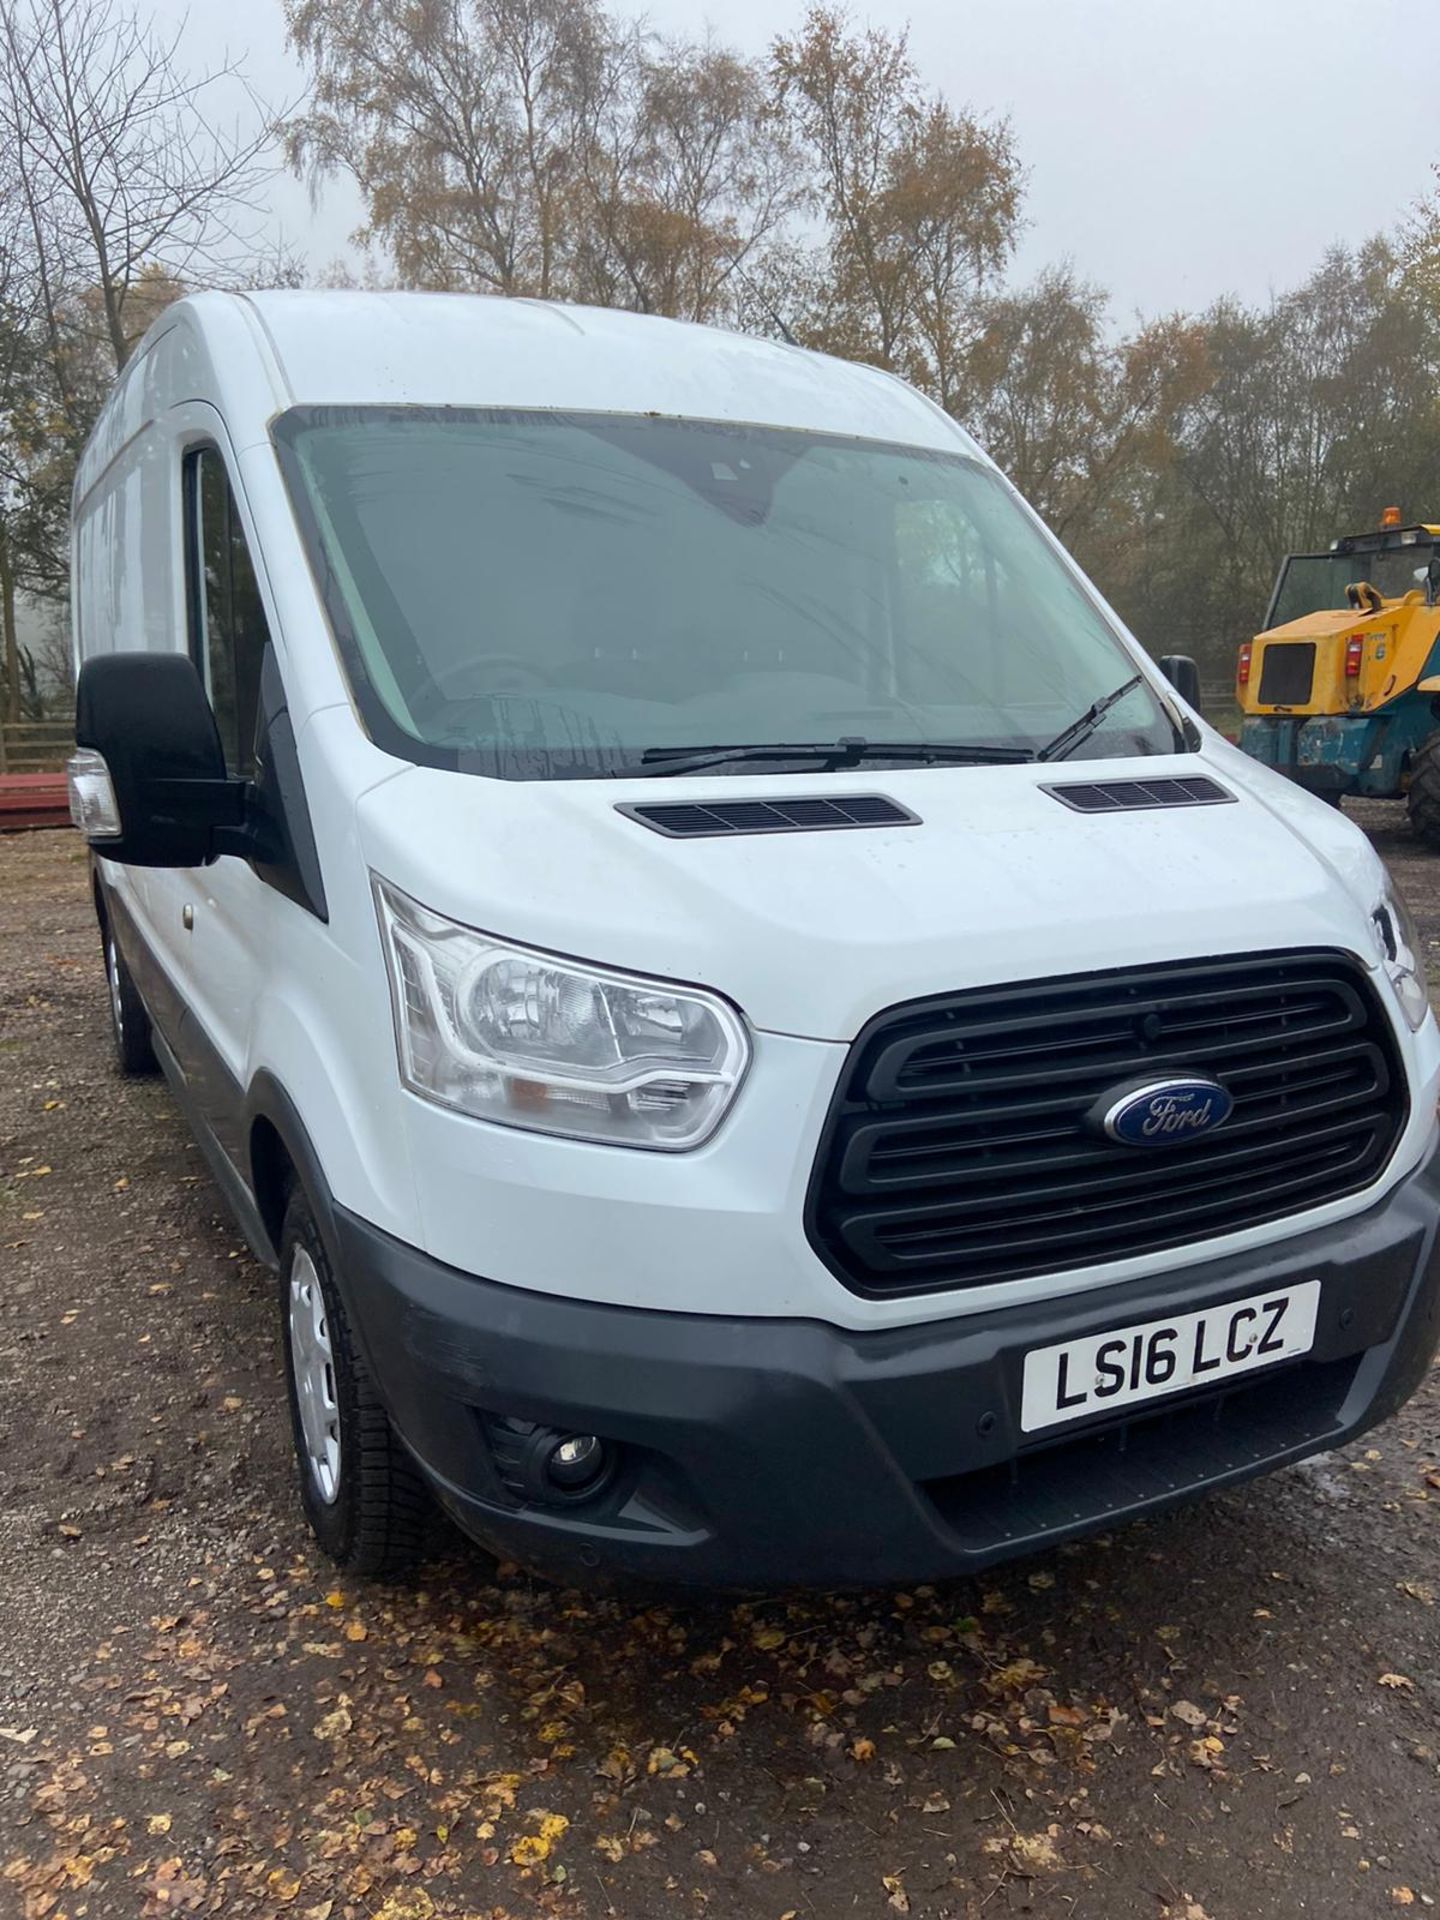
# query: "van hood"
[[811, 933]]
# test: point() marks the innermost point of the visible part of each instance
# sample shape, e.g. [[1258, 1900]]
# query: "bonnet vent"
[[804, 813], [1129, 796]]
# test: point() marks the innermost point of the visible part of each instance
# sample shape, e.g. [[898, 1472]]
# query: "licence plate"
[[1109, 1370]]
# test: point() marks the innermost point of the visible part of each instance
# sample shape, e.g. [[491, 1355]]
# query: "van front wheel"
[[1423, 799], [366, 1504], [129, 1022]]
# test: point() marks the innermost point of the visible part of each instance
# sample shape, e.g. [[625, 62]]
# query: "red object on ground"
[[33, 800]]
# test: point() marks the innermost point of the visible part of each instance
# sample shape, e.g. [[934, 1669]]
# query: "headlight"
[[530, 1040], [1400, 955]]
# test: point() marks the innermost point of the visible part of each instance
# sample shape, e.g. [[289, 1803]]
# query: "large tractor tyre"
[[1423, 799]]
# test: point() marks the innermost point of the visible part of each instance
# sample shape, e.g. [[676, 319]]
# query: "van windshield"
[[543, 595]]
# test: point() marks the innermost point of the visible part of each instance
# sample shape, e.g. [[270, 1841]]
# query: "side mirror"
[[148, 784], [1183, 674]]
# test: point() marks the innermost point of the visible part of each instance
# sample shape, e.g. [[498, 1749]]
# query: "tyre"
[[1423, 799], [129, 1022], [366, 1503]]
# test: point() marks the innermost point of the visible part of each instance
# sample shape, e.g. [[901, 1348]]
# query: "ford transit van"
[[764, 1039]]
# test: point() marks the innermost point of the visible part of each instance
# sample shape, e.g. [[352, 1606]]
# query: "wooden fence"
[[35, 746]]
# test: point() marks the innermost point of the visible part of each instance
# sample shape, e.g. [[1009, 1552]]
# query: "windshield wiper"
[[1081, 729], [832, 756]]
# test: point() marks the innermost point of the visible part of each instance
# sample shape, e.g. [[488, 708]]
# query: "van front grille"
[[958, 1150], [1287, 672]]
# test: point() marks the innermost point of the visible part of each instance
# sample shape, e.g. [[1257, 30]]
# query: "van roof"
[[343, 348]]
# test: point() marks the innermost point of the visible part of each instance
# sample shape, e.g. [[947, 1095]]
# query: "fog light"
[[548, 1466], [576, 1462]]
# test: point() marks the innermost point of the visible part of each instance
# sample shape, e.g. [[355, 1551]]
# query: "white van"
[[765, 1040]]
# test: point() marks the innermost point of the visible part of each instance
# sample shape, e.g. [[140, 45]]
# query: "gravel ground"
[[1226, 1714]]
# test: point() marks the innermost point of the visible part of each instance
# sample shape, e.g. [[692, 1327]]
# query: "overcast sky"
[[1176, 152]]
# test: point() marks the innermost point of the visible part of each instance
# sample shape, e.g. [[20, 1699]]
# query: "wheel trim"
[[312, 1367], [112, 977]]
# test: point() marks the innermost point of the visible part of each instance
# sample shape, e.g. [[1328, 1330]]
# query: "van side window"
[[227, 621]]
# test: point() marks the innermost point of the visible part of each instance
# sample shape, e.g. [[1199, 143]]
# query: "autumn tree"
[[121, 163], [689, 175], [919, 201], [1419, 244], [1037, 390], [459, 124], [121, 180], [539, 147]]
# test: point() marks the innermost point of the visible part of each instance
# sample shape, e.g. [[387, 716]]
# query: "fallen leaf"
[[1033, 1853], [410, 1903], [530, 1849], [899, 1899], [1015, 1676], [1189, 1714], [335, 1723]]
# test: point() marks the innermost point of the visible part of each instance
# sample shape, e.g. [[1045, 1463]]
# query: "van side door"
[[227, 936]]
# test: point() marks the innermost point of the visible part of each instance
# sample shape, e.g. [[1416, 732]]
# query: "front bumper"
[[787, 1452]]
